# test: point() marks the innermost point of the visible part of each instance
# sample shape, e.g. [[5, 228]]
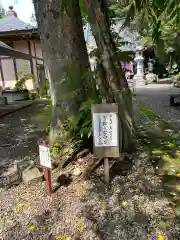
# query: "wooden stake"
[[106, 161], [106, 170], [47, 175]]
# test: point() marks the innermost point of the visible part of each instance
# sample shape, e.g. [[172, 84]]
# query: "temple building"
[[27, 59]]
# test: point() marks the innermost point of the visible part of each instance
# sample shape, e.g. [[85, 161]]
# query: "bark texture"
[[98, 18], [65, 56]]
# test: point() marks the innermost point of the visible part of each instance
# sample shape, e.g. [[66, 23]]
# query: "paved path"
[[19, 134], [156, 97], [12, 107]]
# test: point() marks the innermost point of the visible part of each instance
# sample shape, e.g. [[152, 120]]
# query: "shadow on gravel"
[[18, 231], [134, 205], [122, 211], [163, 145], [19, 134]]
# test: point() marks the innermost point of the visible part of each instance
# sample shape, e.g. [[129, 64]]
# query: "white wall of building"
[[23, 66]]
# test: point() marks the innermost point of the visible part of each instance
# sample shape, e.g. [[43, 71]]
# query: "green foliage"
[[44, 88], [176, 77], [44, 117], [55, 149], [2, 12], [158, 24], [83, 9], [163, 144], [64, 5], [81, 125], [20, 83], [34, 96], [148, 112], [161, 140], [76, 129]]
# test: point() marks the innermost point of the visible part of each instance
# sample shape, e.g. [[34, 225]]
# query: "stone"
[[31, 175], [3, 101], [11, 170], [80, 160], [77, 172], [10, 177], [23, 164], [138, 81], [151, 78]]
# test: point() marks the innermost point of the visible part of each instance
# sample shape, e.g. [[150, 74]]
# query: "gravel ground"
[[132, 207], [156, 97], [19, 135]]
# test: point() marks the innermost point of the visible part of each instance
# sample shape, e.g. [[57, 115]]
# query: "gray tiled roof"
[[12, 23]]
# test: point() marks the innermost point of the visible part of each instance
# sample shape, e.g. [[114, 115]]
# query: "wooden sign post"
[[45, 161], [105, 133]]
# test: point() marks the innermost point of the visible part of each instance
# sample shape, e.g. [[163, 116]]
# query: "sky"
[[24, 8]]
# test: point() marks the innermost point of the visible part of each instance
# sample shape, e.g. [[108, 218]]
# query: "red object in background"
[[131, 66], [47, 171]]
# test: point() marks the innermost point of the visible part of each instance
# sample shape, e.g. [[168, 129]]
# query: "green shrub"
[[81, 126], [43, 91], [76, 130], [20, 83], [44, 117]]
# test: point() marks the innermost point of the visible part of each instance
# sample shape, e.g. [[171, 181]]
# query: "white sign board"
[[105, 129], [45, 157]]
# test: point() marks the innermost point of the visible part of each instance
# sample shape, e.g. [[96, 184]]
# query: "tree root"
[[91, 168]]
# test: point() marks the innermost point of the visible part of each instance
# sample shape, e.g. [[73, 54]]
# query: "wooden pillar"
[[34, 43], [30, 53], [14, 63], [2, 74]]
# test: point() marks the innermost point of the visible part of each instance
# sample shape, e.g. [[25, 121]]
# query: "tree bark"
[[66, 58], [100, 24]]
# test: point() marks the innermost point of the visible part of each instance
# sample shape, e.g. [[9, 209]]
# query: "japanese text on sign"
[[105, 127], [45, 157]]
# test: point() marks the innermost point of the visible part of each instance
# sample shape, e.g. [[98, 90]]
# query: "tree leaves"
[[83, 9], [64, 5], [152, 12]]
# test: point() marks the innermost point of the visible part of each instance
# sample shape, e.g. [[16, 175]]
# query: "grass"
[[163, 144]]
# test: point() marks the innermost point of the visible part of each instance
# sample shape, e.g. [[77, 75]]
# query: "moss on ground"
[[163, 145]]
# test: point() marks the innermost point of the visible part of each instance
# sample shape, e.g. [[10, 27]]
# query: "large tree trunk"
[[66, 58], [97, 16]]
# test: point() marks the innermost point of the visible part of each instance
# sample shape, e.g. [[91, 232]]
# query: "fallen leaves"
[[60, 237], [102, 206], [19, 207], [27, 204], [82, 228], [124, 204], [32, 228]]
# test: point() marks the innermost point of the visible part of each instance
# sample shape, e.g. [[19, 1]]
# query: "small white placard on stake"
[[105, 129], [45, 157]]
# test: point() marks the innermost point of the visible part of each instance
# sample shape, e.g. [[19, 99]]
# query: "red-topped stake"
[[45, 161]]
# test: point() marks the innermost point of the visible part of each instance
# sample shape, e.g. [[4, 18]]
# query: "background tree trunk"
[[98, 18], [66, 58]]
